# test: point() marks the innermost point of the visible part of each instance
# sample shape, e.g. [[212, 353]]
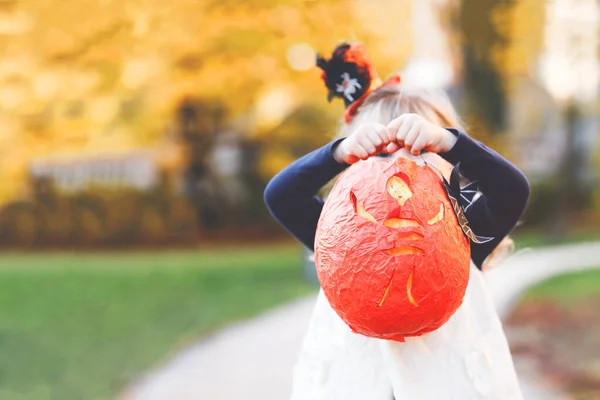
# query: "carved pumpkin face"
[[390, 255]]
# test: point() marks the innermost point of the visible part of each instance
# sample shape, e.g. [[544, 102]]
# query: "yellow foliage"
[[273, 161], [87, 76], [522, 23]]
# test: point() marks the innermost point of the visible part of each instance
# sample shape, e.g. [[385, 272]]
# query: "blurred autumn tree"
[[88, 76], [501, 41]]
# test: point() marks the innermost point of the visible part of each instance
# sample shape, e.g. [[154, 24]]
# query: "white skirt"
[[467, 358]]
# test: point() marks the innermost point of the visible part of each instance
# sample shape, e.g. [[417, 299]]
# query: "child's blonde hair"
[[389, 102]]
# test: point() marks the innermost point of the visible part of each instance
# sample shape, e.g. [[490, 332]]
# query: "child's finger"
[[411, 136], [351, 159], [419, 145], [365, 142], [402, 134], [394, 127], [359, 152], [381, 131], [374, 137], [392, 147]]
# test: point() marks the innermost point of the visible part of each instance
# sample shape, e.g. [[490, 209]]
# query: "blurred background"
[[137, 136]]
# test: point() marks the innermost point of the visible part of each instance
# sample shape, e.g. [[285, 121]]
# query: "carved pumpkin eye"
[[360, 210], [438, 217]]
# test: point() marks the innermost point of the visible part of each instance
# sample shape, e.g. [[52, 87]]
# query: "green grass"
[[538, 239], [82, 326], [568, 288]]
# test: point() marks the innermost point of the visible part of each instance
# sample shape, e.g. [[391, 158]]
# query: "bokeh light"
[[301, 56]]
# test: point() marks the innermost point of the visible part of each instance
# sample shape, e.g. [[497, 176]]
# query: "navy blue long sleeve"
[[291, 195], [292, 199]]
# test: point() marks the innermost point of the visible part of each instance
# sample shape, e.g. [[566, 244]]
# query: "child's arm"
[[504, 188], [291, 196], [505, 192]]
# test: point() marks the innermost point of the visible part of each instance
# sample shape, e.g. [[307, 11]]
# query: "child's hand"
[[366, 141], [417, 134]]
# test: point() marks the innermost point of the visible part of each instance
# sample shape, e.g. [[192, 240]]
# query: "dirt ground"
[[563, 340]]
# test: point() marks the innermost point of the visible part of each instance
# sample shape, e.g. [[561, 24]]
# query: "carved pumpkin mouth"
[[398, 223], [405, 229], [403, 251], [402, 236], [406, 236]]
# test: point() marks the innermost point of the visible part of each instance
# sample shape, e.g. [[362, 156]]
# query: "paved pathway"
[[522, 270], [254, 360]]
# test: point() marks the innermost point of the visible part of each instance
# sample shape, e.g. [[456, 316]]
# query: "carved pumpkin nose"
[[398, 187]]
